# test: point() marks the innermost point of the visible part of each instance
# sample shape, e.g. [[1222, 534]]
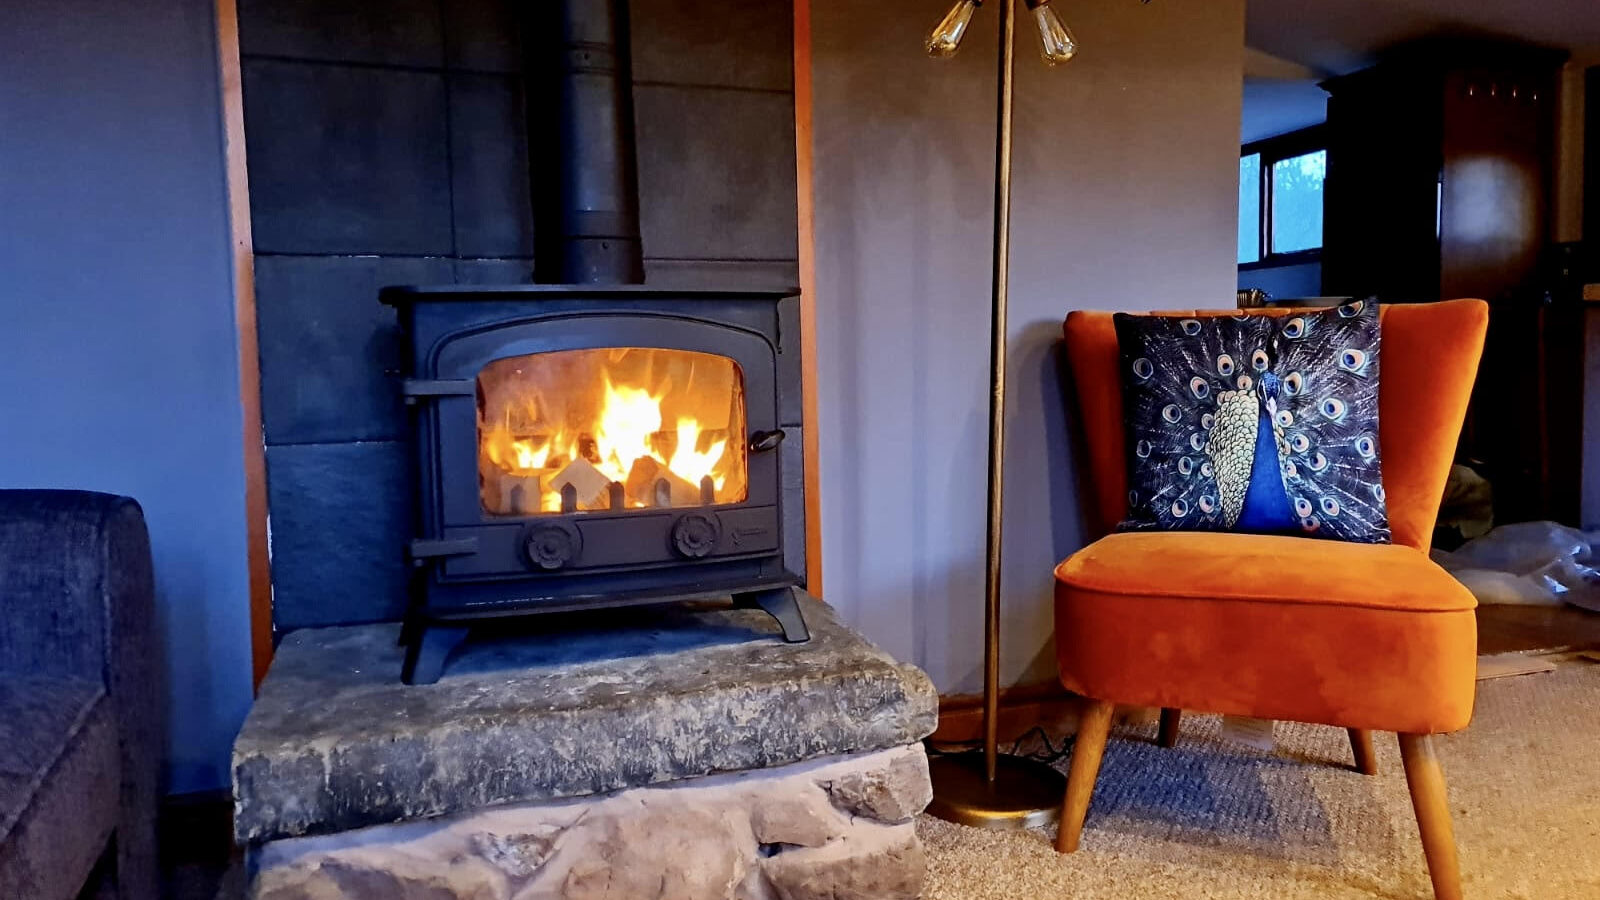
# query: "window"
[[1280, 199], [1250, 208], [1297, 202]]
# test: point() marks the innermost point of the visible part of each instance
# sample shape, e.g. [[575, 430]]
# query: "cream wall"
[[1125, 198]]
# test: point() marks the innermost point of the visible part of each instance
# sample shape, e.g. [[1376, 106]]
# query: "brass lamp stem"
[[997, 389], [994, 790]]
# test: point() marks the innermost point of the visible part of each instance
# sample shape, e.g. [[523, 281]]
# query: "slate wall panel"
[[346, 160], [482, 36], [327, 344], [745, 43], [395, 32], [716, 173], [489, 167], [341, 519]]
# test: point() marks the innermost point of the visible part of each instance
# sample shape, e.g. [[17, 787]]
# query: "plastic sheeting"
[[1529, 563]]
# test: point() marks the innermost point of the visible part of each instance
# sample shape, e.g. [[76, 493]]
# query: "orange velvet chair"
[[1369, 637]]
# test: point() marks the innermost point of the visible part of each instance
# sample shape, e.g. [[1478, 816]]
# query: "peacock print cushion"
[[1260, 424]]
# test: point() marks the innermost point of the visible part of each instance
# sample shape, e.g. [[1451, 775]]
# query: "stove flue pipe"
[[582, 168]]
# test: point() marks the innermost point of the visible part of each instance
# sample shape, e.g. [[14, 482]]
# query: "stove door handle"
[[766, 441]]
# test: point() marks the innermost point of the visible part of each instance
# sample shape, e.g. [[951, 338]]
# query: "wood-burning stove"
[[583, 446]]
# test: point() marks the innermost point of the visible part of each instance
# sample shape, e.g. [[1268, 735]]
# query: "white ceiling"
[[1275, 106], [1333, 37]]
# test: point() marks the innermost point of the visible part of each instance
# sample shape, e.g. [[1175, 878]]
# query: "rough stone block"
[[893, 793], [894, 870], [588, 705], [770, 834], [346, 159]]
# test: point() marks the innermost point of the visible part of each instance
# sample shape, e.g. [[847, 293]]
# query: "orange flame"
[[627, 428]]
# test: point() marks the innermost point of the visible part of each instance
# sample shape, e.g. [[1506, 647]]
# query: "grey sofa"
[[80, 725]]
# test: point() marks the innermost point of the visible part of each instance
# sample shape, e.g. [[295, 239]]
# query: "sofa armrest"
[[77, 599], [76, 593]]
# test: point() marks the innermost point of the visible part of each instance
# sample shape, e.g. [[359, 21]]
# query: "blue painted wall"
[[118, 354]]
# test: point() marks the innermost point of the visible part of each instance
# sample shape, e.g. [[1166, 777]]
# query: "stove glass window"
[[610, 429]]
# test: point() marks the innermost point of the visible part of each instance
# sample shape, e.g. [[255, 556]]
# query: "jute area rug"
[[1214, 819]]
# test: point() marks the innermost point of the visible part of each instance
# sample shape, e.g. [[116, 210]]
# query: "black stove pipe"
[[581, 161]]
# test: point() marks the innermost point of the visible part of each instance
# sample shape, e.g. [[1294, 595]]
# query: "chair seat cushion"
[[1357, 635], [59, 783]]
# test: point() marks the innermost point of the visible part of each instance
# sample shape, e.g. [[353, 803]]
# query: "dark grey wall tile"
[[721, 273], [739, 43], [396, 32], [716, 173], [482, 35], [489, 166], [341, 517], [326, 344], [346, 160], [494, 271], [794, 500]]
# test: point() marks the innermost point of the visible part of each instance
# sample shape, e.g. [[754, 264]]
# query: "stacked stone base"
[[833, 829]]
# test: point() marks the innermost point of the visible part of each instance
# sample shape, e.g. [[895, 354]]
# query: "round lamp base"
[[1025, 793]]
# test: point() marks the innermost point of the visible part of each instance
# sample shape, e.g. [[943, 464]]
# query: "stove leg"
[[428, 652], [781, 605], [411, 628]]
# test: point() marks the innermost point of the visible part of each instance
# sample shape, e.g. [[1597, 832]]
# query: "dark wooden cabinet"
[[1439, 185], [1440, 163]]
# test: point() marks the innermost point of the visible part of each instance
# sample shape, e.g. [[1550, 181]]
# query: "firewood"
[[519, 494], [589, 482], [641, 484]]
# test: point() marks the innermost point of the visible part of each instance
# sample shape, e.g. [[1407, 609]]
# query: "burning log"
[[590, 486], [641, 485], [521, 494], [517, 494]]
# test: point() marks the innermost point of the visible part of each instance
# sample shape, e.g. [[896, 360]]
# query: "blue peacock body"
[[1255, 423]]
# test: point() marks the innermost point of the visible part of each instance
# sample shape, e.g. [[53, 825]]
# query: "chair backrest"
[[1429, 360]]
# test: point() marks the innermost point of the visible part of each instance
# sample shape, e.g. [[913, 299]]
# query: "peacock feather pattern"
[[1230, 447], [1255, 423]]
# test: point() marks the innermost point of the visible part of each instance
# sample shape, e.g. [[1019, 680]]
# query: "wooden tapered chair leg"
[[1426, 780], [1168, 736], [1093, 727], [1361, 745]]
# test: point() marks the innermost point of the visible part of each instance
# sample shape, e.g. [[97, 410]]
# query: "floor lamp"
[[994, 790]]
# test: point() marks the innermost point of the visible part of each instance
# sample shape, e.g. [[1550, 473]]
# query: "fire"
[[692, 464], [642, 433]]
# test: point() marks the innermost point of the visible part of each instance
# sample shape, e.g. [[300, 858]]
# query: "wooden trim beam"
[[244, 305], [808, 289], [1047, 704]]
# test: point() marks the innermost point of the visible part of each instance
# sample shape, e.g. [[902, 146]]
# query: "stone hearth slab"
[[568, 707], [835, 829]]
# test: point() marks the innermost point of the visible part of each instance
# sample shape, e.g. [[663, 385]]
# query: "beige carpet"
[[1210, 819]]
